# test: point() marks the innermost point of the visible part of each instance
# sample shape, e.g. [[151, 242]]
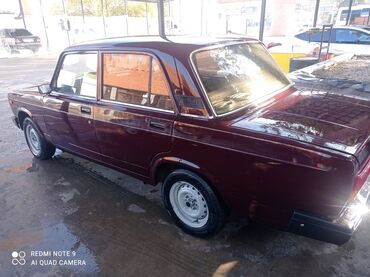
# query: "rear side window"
[[136, 79], [77, 75]]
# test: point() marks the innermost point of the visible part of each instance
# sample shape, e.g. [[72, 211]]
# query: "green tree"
[[110, 8]]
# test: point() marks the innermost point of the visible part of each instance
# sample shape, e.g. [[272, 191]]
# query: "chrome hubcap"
[[33, 140], [189, 204]]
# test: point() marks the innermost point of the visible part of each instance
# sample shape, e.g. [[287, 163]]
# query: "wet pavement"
[[109, 224]]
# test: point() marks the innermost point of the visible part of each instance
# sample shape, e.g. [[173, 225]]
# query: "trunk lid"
[[27, 39], [325, 119]]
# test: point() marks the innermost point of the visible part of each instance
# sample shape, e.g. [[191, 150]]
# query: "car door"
[[69, 113], [135, 113]]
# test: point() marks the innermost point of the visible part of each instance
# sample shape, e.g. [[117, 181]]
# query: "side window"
[[364, 38], [352, 36], [159, 93], [77, 75], [135, 79]]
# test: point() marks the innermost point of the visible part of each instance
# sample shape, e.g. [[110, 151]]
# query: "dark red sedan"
[[217, 123]]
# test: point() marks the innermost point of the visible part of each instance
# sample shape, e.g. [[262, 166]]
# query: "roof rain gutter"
[[161, 27]]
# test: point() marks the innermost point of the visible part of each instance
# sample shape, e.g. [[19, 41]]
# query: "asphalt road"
[[113, 225]]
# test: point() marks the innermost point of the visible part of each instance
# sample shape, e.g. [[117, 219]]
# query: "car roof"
[[364, 27], [170, 44], [358, 28]]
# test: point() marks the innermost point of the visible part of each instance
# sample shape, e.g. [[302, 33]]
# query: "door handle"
[[157, 125], [85, 109]]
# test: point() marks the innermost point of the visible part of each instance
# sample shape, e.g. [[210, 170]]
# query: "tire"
[[192, 203], [9, 49], [35, 50], [37, 144]]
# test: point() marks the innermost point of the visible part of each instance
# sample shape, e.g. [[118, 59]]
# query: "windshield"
[[236, 75], [19, 32]]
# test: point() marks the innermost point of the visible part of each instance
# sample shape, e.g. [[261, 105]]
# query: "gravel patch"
[[356, 69]]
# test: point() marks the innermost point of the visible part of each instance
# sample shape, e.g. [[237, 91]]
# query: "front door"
[[71, 104], [134, 117]]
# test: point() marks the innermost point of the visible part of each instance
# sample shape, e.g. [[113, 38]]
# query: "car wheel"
[[9, 49], [35, 50], [192, 203], [37, 144]]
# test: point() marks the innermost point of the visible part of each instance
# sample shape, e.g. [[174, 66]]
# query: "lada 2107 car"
[[16, 39], [217, 123]]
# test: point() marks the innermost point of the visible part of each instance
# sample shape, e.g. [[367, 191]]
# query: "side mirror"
[[44, 89]]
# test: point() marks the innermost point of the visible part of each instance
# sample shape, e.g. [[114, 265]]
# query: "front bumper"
[[337, 231]]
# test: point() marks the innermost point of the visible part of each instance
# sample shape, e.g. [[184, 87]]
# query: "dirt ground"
[[113, 225]]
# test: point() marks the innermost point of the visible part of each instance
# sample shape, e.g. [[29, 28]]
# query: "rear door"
[[69, 113], [135, 112]]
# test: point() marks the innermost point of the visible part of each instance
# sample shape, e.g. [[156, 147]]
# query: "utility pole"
[[317, 6], [161, 27], [147, 20], [262, 19], [82, 11], [126, 12], [102, 11], [66, 21], [349, 15], [43, 21], [22, 13]]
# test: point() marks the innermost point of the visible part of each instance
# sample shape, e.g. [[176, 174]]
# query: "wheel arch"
[[22, 115], [165, 165]]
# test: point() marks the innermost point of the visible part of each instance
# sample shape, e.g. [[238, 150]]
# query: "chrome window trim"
[[135, 106], [197, 116], [57, 71], [204, 91], [72, 96], [125, 51]]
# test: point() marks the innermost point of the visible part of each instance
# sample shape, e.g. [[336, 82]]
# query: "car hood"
[[325, 119]]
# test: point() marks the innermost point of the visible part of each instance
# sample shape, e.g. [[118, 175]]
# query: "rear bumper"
[[26, 46], [337, 231], [317, 228]]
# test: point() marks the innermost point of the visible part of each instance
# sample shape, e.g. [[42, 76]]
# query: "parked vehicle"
[[359, 15], [217, 123], [16, 39], [346, 39]]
